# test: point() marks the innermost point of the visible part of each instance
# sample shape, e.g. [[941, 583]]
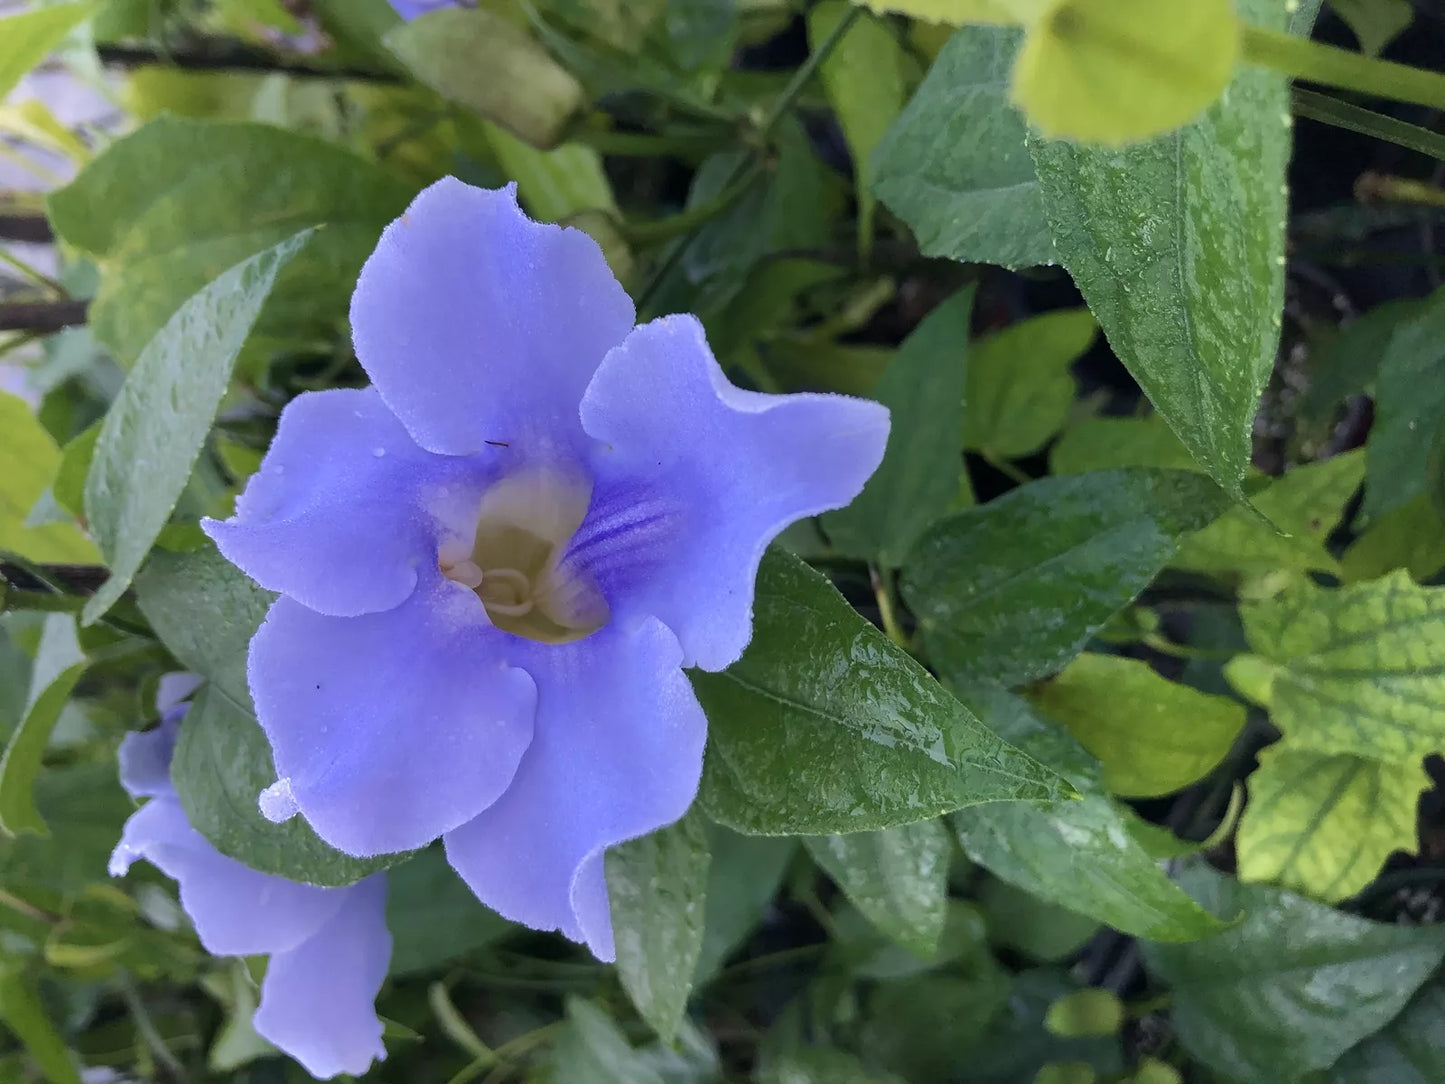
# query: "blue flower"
[[411, 9], [496, 561], [329, 947]]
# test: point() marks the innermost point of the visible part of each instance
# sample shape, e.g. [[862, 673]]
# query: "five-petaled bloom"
[[496, 561], [329, 947]]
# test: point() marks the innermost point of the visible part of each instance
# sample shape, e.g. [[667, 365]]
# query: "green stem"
[[884, 592], [1353, 118], [662, 229], [146, 1028], [40, 602], [1301, 58], [33, 273], [1003, 466], [805, 72]]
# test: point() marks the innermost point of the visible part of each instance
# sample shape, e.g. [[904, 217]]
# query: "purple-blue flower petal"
[[411, 9], [390, 729], [696, 477], [235, 910], [617, 754], [175, 688], [318, 999], [344, 508], [479, 325], [145, 757]]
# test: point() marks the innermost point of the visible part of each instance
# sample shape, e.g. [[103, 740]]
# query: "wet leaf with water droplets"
[[826, 727], [1177, 244]]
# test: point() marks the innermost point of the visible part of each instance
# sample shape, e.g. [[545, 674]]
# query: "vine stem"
[[1301, 58]]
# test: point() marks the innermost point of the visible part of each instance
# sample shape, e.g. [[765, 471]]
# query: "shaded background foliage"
[[1229, 865]]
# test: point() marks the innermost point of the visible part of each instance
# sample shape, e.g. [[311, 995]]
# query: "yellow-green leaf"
[[1304, 504], [31, 463], [1356, 670], [1411, 537], [958, 12], [1019, 388], [1323, 825], [27, 37], [1110, 443], [1115, 71], [1152, 735]]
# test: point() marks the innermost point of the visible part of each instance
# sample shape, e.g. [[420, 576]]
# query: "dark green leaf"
[[1177, 244], [1409, 406], [1411, 1050], [1292, 986], [897, 877], [58, 666], [742, 879], [592, 1048], [169, 207], [1077, 854], [954, 165], [921, 469], [205, 610], [1017, 1045], [826, 727], [822, 1065], [1012, 590], [657, 886], [922, 1027], [1041, 930], [155, 429], [433, 916]]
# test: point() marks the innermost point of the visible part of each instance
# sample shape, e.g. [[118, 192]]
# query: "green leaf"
[[84, 808], [1409, 406], [1084, 1013], [156, 427], [657, 886], [1411, 537], [822, 1065], [1012, 590], [221, 764], [168, 208], [31, 463], [898, 878], [826, 727], [1357, 670], [1292, 986], [1408, 1051], [1306, 504], [482, 61], [1153, 736], [24, 1014], [1323, 825], [433, 916], [1077, 854], [1114, 71], [205, 611], [592, 1048], [1375, 22], [1040, 930], [954, 165], [921, 469], [75, 459], [58, 666], [25, 39], [1020, 387], [863, 78], [1177, 245], [924, 1027], [1109, 443], [742, 879]]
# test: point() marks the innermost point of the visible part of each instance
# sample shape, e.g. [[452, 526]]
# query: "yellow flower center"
[[517, 566]]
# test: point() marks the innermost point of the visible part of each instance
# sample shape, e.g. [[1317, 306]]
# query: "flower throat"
[[517, 565]]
